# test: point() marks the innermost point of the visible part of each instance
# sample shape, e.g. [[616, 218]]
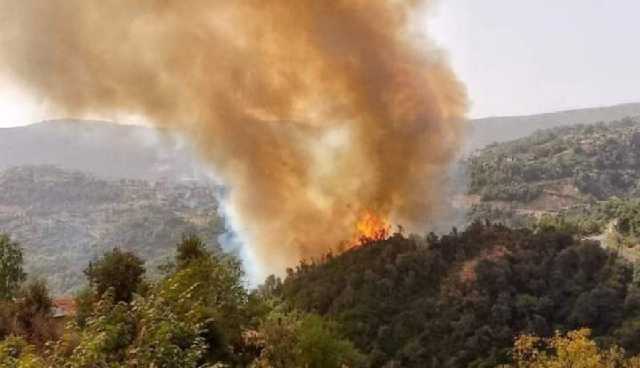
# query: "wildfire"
[[370, 227]]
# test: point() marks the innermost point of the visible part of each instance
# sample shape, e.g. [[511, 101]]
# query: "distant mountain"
[[117, 151], [64, 219], [500, 129], [104, 149]]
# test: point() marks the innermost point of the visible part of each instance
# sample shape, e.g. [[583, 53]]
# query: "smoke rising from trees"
[[312, 112]]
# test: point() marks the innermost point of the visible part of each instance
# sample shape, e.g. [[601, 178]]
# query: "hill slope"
[[557, 169], [66, 218], [459, 300]]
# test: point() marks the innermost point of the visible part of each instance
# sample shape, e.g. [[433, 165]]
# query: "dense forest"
[[458, 300]]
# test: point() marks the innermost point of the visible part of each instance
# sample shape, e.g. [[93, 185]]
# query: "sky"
[[521, 57], [516, 57]]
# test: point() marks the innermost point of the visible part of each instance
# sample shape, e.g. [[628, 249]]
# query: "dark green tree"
[[117, 270], [11, 271], [189, 249], [33, 313], [34, 298]]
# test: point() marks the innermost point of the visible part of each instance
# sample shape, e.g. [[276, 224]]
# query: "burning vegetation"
[[370, 227]]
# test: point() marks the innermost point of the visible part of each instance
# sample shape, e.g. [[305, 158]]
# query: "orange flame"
[[370, 227]]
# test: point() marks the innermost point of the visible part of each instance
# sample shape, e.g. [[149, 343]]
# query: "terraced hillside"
[[555, 170]]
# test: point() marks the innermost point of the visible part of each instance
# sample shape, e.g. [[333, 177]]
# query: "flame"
[[370, 227]]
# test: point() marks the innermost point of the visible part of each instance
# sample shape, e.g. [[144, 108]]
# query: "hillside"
[[555, 170], [460, 299], [65, 218]]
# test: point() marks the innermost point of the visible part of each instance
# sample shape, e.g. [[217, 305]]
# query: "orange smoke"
[[311, 111]]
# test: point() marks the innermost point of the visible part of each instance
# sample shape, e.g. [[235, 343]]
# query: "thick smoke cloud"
[[312, 112]]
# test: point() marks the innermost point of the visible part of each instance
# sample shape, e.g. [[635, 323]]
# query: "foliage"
[[578, 178], [575, 349], [601, 160], [11, 272], [16, 352], [199, 315], [304, 340], [458, 300], [620, 215], [29, 315], [210, 292], [190, 249], [84, 301], [454, 300], [33, 314], [116, 270]]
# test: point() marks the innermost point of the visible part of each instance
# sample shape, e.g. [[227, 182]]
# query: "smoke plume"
[[313, 112]]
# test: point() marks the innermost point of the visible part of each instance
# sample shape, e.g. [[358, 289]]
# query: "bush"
[[33, 314], [575, 349], [304, 340], [118, 271], [16, 352]]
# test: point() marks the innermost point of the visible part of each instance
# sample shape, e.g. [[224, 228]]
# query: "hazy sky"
[[532, 56], [516, 57]]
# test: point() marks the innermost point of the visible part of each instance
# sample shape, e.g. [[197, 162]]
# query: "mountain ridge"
[[485, 131], [113, 150]]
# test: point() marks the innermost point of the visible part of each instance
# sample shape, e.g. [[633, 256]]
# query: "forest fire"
[[313, 111], [370, 227]]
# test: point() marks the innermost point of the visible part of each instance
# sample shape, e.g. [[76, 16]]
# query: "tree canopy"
[[118, 272], [11, 267]]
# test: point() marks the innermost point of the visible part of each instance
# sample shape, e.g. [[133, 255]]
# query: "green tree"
[[11, 272], [33, 313], [297, 339], [190, 249], [192, 317], [210, 290], [105, 339], [117, 270], [84, 300]]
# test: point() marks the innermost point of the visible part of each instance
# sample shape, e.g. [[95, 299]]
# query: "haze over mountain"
[[70, 190], [100, 148], [505, 128], [125, 151]]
